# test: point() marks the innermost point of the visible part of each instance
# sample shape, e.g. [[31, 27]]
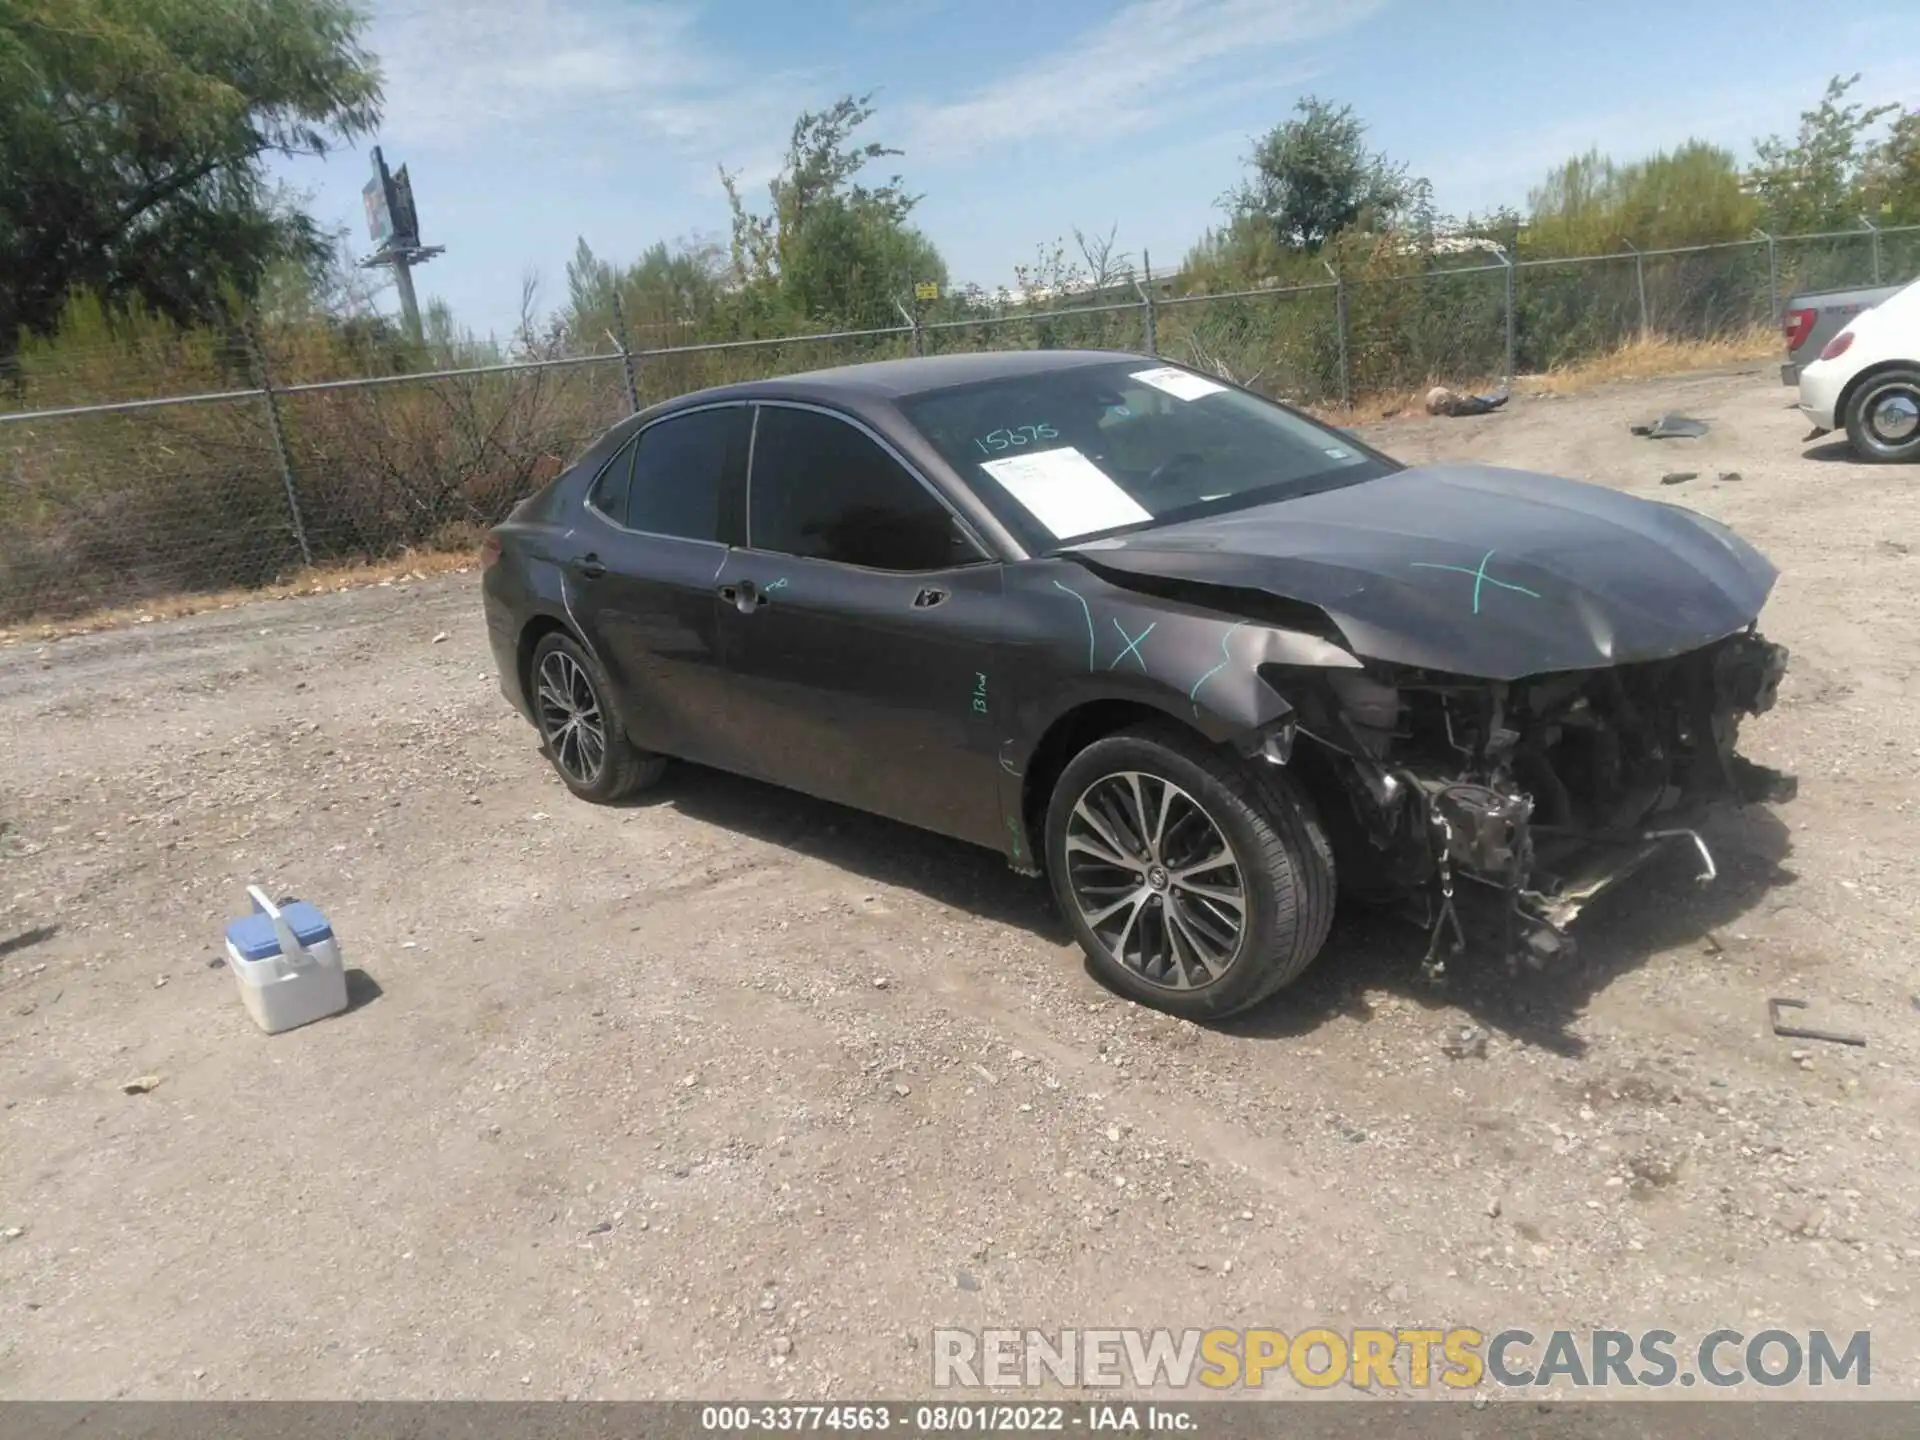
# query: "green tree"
[[830, 250], [1313, 177], [1814, 181], [1890, 178], [133, 135], [1592, 205], [668, 294]]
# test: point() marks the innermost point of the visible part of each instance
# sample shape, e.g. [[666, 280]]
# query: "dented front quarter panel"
[[1082, 640], [1096, 641]]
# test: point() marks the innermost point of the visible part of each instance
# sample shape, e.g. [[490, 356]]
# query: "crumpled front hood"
[[1476, 570]]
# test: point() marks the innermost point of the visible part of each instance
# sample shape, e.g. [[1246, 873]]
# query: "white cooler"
[[287, 964]]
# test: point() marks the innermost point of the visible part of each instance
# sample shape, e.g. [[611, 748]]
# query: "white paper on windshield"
[[1065, 491], [1178, 383]]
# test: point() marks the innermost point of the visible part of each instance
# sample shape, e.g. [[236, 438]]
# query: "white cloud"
[[592, 74], [1151, 61]]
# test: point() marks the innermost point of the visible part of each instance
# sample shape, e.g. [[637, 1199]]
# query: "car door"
[[858, 627], [641, 580]]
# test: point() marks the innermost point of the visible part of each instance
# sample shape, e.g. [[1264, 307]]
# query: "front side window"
[[680, 470], [823, 490], [1066, 454]]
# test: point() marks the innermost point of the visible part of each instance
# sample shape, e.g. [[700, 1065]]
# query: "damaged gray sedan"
[[1203, 662]]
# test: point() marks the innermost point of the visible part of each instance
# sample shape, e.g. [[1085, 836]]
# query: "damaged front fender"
[[1207, 657]]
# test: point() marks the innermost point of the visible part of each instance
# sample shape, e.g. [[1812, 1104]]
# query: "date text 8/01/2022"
[[984, 1418]]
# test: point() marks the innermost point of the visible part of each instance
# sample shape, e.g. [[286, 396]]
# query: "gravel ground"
[[730, 1092]]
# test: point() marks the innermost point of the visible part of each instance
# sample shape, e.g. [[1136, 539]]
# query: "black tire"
[[622, 769], [1868, 417], [1282, 862]]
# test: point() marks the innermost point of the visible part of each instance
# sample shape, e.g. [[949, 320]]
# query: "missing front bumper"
[[1601, 865], [1545, 878]]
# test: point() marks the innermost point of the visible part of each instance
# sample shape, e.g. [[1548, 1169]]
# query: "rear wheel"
[[1195, 884], [1883, 416], [582, 736]]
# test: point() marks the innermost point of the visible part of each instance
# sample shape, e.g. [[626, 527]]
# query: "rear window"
[[609, 493]]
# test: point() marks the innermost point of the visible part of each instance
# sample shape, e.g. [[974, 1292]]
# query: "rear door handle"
[[744, 597], [592, 566]]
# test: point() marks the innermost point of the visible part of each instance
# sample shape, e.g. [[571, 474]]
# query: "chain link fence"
[[234, 460]]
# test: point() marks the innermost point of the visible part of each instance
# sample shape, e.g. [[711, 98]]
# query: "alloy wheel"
[[1155, 880], [570, 718], [1893, 415]]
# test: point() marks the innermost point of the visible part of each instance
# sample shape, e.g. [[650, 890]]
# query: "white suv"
[[1868, 380]]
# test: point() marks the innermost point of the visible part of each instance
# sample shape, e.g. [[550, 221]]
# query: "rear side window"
[[609, 494], [681, 468], [823, 490]]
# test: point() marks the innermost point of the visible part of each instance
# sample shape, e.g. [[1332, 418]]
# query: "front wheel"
[[1883, 416], [1195, 884]]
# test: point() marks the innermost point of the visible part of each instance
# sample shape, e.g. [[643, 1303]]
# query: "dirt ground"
[[732, 1093]]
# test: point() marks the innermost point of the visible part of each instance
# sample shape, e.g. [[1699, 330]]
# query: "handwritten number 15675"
[[1017, 436]]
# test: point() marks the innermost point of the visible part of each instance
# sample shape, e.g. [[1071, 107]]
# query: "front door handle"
[[592, 566], [929, 597]]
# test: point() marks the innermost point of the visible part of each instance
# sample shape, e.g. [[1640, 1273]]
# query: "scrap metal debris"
[[1672, 426], [1442, 401], [1796, 1032], [1677, 477], [1464, 1042]]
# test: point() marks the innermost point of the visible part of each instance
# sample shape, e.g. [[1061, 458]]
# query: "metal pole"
[[625, 346], [1639, 283], [279, 441], [1773, 277], [409, 304], [913, 324], [1340, 322], [1512, 296], [1146, 301], [1874, 231]]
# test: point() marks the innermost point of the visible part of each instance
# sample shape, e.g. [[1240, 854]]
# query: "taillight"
[[1837, 346], [489, 551], [1799, 325]]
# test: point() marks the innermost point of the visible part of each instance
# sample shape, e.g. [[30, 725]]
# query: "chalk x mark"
[[1480, 577], [1088, 610], [1133, 645]]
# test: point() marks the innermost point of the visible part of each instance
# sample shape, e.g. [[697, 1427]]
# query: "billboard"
[[388, 197], [405, 224], [379, 220]]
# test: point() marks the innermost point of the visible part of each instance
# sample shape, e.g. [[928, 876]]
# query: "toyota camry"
[[1203, 662]]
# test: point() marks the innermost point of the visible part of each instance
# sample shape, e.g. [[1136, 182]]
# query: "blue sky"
[[528, 123]]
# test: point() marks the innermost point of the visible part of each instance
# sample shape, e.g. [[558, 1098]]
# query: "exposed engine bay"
[[1546, 790]]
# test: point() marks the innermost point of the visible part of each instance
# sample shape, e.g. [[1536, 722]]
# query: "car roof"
[[892, 380]]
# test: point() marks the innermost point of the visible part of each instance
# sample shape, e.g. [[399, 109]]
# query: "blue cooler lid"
[[256, 939]]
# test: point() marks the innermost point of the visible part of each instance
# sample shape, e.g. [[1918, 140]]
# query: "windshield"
[[1072, 453]]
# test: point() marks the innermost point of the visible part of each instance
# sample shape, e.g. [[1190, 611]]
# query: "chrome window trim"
[[633, 445], [986, 555]]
